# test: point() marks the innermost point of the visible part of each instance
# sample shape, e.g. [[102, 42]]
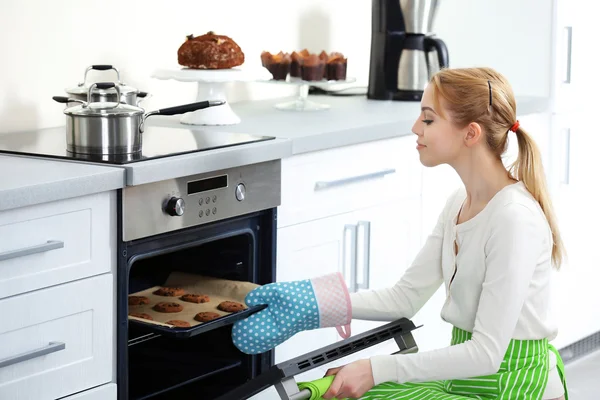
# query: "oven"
[[220, 225]]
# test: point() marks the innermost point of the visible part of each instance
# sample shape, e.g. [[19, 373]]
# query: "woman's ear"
[[473, 134]]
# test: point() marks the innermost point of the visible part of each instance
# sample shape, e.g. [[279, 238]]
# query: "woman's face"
[[438, 140]]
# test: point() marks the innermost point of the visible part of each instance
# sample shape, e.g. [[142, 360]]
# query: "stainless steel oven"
[[220, 224]]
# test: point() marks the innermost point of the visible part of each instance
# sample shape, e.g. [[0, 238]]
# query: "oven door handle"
[[282, 375]]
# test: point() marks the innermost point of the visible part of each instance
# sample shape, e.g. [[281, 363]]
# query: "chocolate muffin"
[[296, 65], [210, 51], [324, 57], [277, 64], [336, 68], [313, 68]]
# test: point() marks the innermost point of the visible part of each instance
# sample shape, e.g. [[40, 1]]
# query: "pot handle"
[[65, 100], [187, 108], [104, 86], [101, 67]]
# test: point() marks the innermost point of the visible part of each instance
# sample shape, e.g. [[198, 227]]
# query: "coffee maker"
[[403, 49]]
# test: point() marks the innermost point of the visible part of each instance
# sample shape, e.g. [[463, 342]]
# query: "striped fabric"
[[523, 375]]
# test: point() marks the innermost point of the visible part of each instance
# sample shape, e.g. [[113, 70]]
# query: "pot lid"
[[82, 89], [106, 109]]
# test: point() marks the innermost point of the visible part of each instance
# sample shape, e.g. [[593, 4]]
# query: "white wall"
[[46, 45]]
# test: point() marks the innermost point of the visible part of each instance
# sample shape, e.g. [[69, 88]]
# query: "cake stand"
[[301, 103], [212, 85]]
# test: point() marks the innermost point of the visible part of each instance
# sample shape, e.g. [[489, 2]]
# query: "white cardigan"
[[501, 290]]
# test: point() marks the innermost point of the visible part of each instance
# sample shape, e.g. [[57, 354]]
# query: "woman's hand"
[[352, 380]]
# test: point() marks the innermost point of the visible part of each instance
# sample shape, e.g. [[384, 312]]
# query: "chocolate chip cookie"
[[179, 323], [206, 316], [231, 306], [168, 307], [170, 291], [195, 298], [137, 300], [141, 315]]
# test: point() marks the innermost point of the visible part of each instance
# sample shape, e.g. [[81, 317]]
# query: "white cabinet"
[[53, 243], [57, 341], [355, 210], [576, 300], [575, 43]]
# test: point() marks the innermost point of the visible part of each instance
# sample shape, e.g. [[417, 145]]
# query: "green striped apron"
[[523, 375]]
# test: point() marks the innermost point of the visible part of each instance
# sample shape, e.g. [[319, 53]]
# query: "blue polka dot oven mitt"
[[293, 307]]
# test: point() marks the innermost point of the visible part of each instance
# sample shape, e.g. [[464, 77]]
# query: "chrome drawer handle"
[[52, 347], [321, 185], [40, 248]]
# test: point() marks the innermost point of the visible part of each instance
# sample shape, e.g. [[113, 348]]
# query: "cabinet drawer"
[[57, 341], [339, 180], [104, 392], [54, 243]]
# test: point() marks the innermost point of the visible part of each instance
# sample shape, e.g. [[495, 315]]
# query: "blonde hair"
[[484, 96]]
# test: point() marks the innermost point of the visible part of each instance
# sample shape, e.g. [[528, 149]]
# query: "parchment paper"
[[217, 289]]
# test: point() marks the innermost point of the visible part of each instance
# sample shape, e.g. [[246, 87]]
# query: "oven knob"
[[240, 192], [175, 206]]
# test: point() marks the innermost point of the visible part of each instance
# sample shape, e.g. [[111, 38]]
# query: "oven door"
[[282, 375]]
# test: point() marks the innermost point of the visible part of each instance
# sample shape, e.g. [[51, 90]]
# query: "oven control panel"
[[180, 203]]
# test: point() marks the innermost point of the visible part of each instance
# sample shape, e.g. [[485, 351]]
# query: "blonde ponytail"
[[528, 169], [484, 96]]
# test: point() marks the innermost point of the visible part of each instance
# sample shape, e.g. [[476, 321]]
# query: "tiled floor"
[[583, 378]]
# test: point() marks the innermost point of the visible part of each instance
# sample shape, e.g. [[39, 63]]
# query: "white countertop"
[[27, 181], [350, 120]]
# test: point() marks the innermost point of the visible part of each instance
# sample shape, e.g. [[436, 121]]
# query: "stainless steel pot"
[[129, 95], [110, 128]]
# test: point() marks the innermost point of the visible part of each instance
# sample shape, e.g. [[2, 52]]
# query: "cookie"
[[231, 306], [170, 291], [195, 298], [137, 300], [206, 316], [178, 323], [168, 307], [141, 315]]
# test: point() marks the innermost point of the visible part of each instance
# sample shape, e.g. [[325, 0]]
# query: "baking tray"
[[184, 333], [217, 289]]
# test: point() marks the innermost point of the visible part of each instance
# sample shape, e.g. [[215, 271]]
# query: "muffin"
[[313, 68], [324, 57], [337, 66], [278, 64], [296, 65]]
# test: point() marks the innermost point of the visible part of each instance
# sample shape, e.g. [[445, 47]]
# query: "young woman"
[[493, 248]]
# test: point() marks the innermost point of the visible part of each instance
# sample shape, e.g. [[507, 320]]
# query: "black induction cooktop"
[[158, 142]]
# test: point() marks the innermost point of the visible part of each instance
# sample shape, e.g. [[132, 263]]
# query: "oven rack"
[[185, 333]]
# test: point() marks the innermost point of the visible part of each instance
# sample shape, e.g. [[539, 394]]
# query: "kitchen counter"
[[350, 120], [26, 181]]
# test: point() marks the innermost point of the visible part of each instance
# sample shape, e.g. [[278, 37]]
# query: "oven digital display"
[[204, 185]]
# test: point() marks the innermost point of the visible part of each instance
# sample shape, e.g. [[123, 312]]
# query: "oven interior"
[[201, 366]]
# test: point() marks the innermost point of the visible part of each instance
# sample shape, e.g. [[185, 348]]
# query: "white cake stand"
[[301, 103], [212, 86]]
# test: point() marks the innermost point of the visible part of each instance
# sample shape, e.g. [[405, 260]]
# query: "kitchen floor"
[[583, 380], [583, 377]]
